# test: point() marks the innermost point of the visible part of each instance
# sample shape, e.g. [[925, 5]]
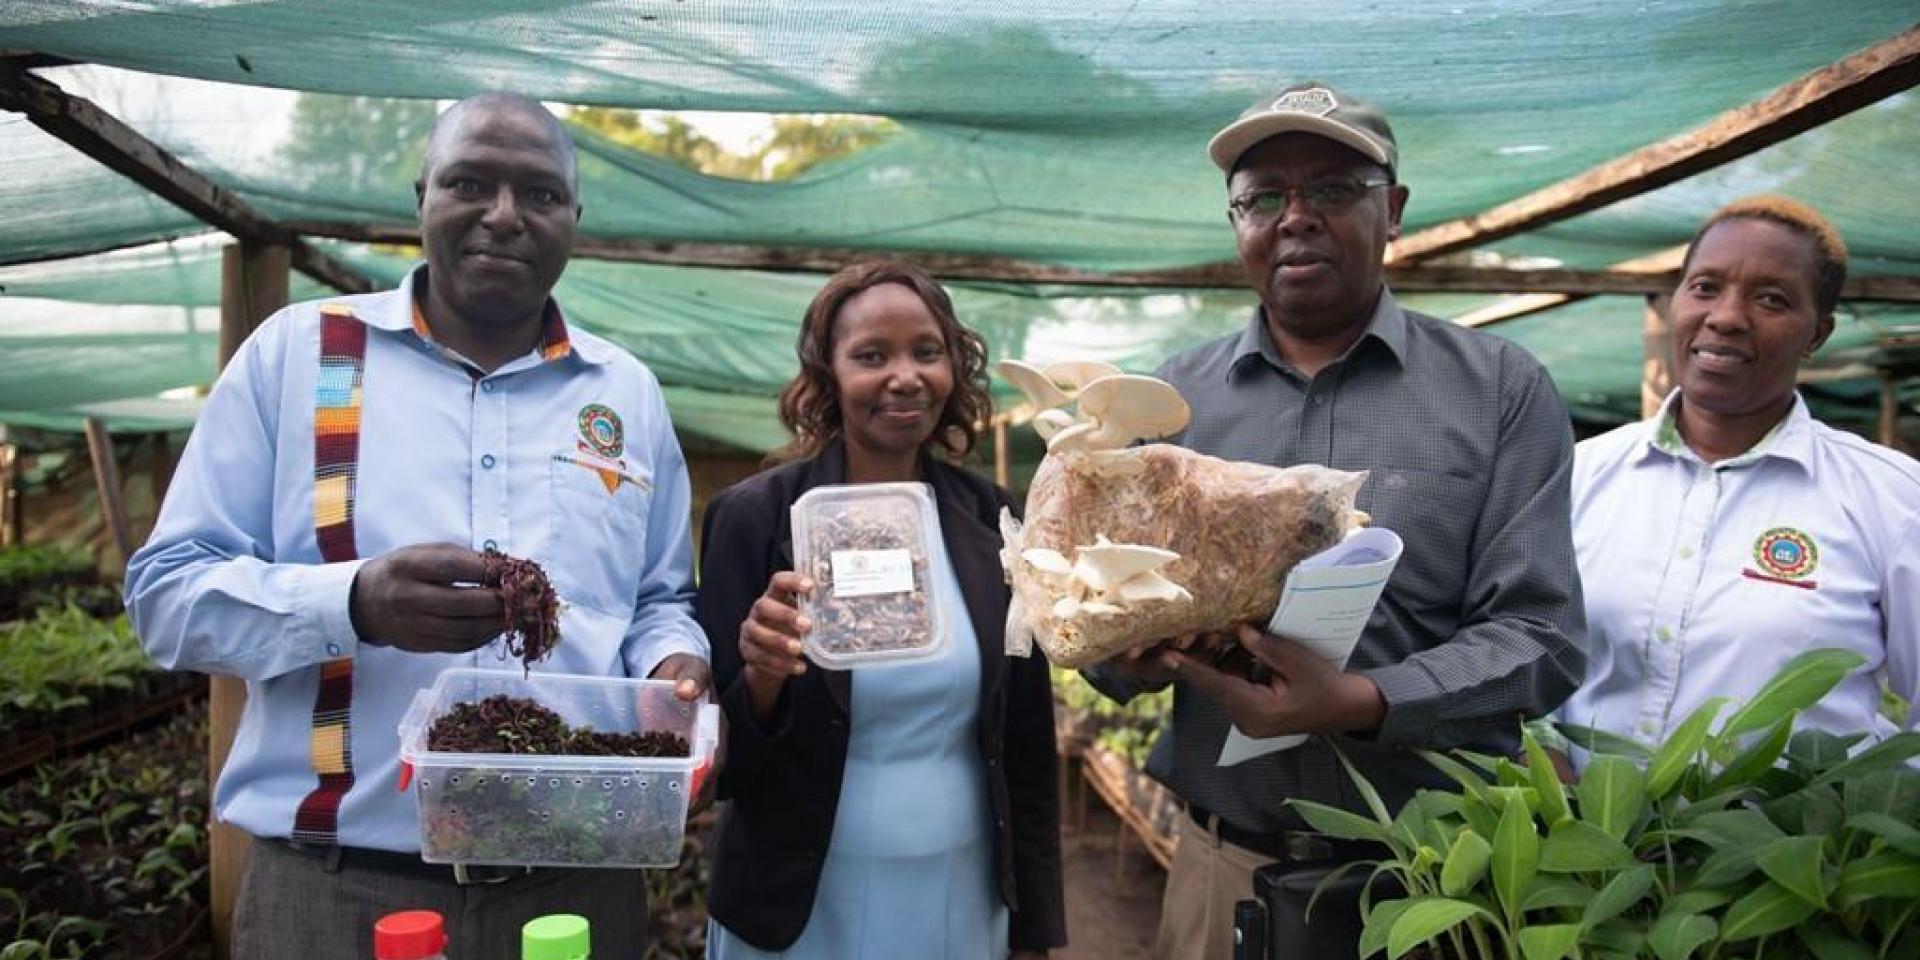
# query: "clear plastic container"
[[563, 811], [869, 549]]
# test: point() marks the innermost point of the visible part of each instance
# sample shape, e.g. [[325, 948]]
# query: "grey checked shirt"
[[1470, 451]]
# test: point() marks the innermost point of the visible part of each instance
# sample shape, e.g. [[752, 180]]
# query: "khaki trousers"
[[1208, 876]]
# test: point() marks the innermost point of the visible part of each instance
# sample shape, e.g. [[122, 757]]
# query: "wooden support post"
[[1656, 344], [1889, 411], [1835, 90], [253, 284], [1002, 468], [106, 478], [162, 468], [9, 495]]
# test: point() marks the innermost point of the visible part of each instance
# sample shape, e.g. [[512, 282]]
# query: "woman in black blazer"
[[947, 841]]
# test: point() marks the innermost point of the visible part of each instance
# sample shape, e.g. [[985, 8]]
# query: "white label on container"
[[864, 573]]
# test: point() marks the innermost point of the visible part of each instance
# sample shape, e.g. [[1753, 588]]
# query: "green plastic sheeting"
[[1058, 130], [722, 340]]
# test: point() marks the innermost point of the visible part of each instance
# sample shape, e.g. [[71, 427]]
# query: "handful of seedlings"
[[532, 612], [502, 724]]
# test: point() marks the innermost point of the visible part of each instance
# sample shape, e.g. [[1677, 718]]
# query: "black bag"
[[1274, 925]]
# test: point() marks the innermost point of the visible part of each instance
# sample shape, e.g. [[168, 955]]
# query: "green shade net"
[[1054, 131], [75, 342], [1051, 131]]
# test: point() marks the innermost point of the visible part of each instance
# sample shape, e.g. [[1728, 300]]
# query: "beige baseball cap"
[[1309, 107]]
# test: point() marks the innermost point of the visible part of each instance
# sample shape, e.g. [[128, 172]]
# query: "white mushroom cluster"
[[1114, 408], [1105, 578]]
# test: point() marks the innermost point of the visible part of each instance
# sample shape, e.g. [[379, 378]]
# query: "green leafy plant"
[[109, 848], [1747, 841], [40, 576], [59, 658], [1129, 730]]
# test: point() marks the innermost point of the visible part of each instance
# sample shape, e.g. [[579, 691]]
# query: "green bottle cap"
[[557, 936]]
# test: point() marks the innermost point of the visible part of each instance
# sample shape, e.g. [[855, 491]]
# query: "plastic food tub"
[[557, 810]]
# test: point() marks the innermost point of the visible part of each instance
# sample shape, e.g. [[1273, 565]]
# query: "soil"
[[503, 724], [1113, 892], [110, 848], [532, 608]]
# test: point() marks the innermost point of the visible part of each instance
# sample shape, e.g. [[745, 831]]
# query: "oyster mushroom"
[[1104, 565], [1129, 408], [1030, 380], [1151, 586], [1047, 561], [1072, 375], [1071, 438], [1046, 423]]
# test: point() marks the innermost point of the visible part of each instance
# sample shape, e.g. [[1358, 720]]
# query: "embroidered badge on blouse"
[[1785, 556], [600, 429]]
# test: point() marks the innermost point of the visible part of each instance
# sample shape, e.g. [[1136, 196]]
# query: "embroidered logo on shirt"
[[601, 431], [1786, 556]]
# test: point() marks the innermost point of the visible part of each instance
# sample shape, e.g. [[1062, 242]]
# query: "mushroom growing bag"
[[1236, 528]]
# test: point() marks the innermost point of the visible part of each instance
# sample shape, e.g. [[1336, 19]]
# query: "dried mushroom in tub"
[[867, 548]]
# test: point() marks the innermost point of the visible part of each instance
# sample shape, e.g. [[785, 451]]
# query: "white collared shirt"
[[564, 455], [1703, 580]]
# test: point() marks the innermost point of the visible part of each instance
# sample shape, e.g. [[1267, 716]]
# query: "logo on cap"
[[1317, 101]]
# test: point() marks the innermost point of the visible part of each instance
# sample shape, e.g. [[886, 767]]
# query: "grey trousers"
[[296, 904]]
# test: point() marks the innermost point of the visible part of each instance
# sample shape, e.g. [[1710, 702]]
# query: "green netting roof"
[[722, 340], [1062, 131]]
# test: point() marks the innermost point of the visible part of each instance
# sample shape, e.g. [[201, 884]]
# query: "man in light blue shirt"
[[329, 516]]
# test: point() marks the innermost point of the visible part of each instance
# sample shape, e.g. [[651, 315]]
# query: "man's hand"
[[770, 641], [1145, 665], [407, 599], [1303, 694], [691, 675]]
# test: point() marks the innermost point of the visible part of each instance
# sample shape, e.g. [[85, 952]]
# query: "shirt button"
[[1686, 553], [487, 461], [1649, 728], [486, 386], [333, 649], [1665, 635], [490, 545]]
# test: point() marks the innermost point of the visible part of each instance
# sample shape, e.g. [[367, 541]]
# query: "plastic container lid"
[[409, 935], [869, 549], [556, 936]]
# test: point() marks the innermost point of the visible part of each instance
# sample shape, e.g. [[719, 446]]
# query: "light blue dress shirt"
[[232, 583]]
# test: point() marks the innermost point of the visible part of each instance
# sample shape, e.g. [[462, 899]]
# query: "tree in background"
[[790, 146]]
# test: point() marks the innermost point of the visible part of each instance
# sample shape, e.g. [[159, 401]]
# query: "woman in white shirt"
[[1732, 531]]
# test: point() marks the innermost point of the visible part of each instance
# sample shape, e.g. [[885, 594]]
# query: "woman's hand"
[[770, 641]]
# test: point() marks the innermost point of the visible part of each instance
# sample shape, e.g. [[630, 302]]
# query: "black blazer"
[[782, 785]]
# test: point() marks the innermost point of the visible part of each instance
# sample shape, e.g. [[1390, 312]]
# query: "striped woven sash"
[[336, 459]]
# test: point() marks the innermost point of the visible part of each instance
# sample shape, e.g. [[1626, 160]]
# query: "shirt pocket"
[[598, 533], [1436, 514]]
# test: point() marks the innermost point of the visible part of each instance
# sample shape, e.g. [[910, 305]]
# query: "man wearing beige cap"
[[1468, 450]]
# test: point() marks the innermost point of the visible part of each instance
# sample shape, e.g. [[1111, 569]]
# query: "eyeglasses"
[[1331, 195]]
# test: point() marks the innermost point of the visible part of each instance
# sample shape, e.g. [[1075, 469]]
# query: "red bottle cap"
[[409, 935]]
